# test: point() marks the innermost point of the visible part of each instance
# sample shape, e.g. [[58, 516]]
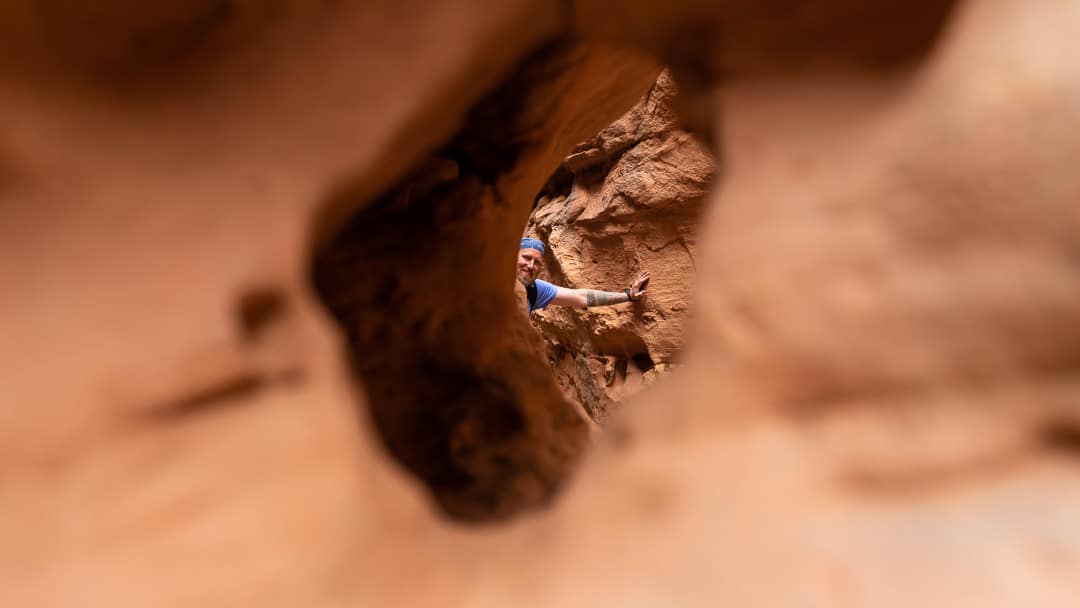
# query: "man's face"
[[530, 264]]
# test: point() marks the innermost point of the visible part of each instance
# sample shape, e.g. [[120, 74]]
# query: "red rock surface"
[[629, 199], [878, 402], [482, 422]]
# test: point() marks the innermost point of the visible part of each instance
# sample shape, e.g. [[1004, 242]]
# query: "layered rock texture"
[[483, 423], [626, 200], [261, 347]]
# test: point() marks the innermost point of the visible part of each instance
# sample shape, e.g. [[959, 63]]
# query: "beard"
[[525, 278]]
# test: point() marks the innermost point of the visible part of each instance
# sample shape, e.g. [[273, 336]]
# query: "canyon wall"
[[626, 200], [484, 426], [212, 398]]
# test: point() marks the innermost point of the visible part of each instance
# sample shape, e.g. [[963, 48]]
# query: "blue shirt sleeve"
[[545, 293]]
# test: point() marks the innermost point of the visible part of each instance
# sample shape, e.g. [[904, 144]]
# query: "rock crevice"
[[625, 200]]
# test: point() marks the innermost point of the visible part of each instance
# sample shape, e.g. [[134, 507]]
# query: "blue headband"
[[527, 243]]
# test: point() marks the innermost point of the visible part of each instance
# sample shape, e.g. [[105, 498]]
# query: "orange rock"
[[877, 405]]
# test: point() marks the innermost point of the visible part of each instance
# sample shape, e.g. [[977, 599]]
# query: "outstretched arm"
[[587, 298]]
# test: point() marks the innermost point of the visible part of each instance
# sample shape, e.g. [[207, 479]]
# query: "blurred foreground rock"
[[878, 405]]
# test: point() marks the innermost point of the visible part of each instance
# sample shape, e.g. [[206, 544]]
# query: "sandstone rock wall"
[[878, 406], [486, 428], [628, 199]]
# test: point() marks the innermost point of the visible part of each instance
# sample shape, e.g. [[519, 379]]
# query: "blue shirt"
[[544, 294]]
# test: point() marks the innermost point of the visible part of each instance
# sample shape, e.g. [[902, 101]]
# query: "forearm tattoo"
[[603, 298]]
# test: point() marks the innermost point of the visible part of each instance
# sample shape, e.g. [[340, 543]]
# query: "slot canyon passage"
[[629, 198], [877, 400]]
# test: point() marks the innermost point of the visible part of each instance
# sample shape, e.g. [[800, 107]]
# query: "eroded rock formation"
[[878, 405], [625, 200], [482, 423]]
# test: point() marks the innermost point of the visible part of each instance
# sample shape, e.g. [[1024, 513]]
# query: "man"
[[542, 293]]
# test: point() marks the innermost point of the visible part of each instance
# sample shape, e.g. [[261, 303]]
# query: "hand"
[[637, 288]]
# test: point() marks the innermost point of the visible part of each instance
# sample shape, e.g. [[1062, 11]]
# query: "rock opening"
[[624, 200], [420, 281]]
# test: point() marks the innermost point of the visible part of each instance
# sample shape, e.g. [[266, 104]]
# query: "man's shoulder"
[[545, 293], [545, 287]]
